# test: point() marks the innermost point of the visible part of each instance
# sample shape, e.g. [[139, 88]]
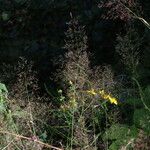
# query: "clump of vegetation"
[[22, 112], [85, 111]]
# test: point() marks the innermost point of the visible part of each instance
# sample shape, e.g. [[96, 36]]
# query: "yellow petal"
[[92, 92]]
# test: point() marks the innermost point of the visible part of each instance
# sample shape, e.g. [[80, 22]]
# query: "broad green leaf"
[[3, 88], [120, 134], [142, 119]]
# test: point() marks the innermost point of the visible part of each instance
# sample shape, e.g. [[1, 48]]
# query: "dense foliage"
[[75, 75]]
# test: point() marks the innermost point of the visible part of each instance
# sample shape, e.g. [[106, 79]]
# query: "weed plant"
[[86, 113]]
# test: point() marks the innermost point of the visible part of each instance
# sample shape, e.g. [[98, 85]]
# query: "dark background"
[[35, 30]]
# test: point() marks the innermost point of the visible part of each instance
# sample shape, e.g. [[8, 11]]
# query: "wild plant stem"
[[141, 93], [137, 17], [72, 128], [106, 122], [30, 139], [30, 111]]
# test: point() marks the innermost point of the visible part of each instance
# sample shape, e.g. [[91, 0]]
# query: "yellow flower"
[[104, 95], [73, 103], [64, 107], [70, 82], [101, 92], [59, 91], [113, 100], [108, 97], [92, 92]]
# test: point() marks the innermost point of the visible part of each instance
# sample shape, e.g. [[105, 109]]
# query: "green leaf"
[[43, 136], [142, 119], [120, 135], [116, 131], [20, 114], [134, 101], [2, 107], [3, 88]]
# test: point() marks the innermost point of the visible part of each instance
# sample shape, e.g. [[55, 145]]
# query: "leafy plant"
[[142, 120], [3, 95], [120, 135]]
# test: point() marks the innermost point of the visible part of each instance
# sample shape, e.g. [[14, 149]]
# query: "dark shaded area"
[[35, 29]]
